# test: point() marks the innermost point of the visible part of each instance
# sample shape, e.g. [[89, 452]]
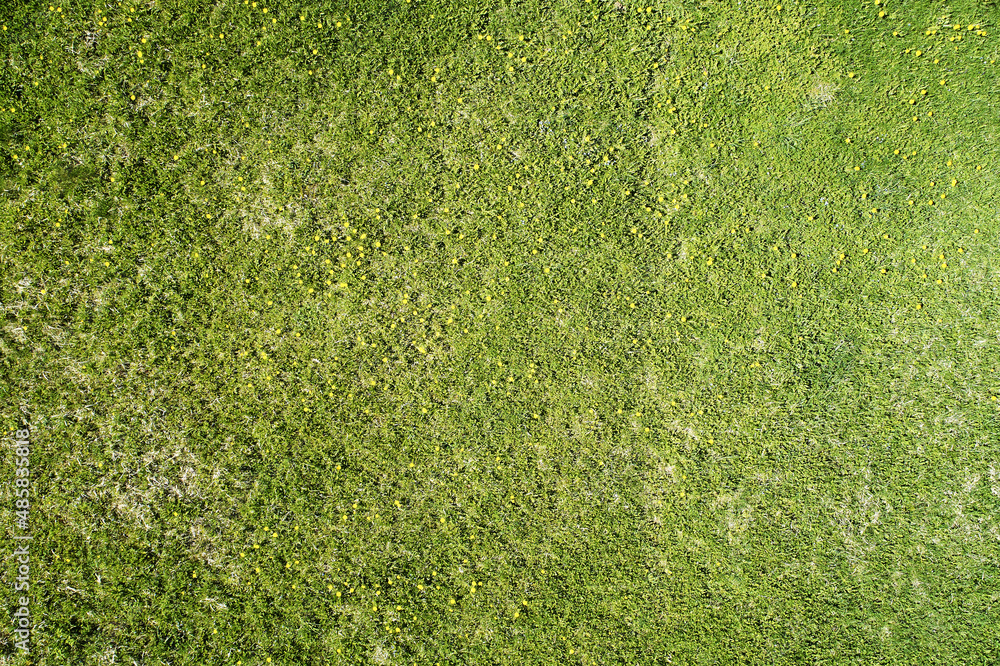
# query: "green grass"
[[524, 333]]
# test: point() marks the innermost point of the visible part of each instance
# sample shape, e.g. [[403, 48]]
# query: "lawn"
[[439, 332]]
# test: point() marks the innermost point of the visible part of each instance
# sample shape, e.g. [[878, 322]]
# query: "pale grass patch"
[[821, 95], [852, 517], [658, 485], [651, 379], [130, 502], [380, 655], [702, 174], [542, 454], [778, 377], [16, 332], [214, 604], [687, 246], [737, 516], [678, 427], [971, 482], [589, 381], [582, 428], [108, 656]]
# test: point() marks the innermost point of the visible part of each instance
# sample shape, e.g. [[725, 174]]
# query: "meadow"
[[442, 332]]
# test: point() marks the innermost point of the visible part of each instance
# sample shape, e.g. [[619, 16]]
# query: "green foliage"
[[581, 332]]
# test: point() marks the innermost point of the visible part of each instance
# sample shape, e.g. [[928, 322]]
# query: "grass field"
[[437, 332]]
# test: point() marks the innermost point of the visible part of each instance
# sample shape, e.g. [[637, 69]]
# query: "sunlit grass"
[[575, 333]]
